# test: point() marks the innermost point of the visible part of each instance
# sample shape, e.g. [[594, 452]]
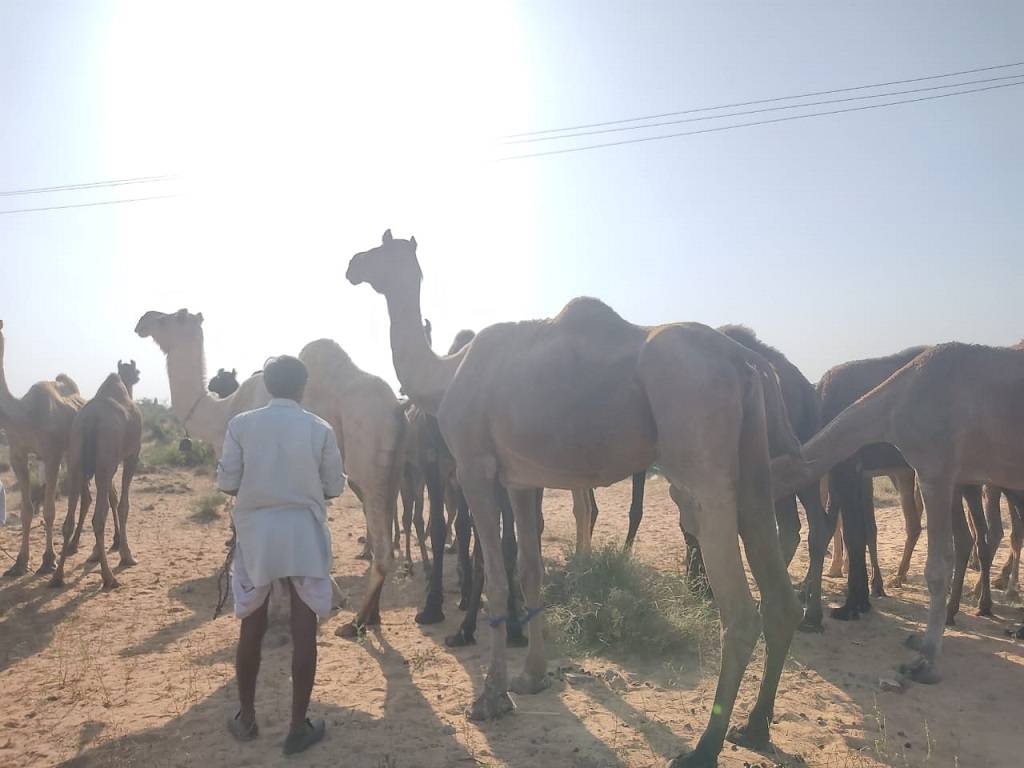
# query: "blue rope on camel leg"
[[497, 621]]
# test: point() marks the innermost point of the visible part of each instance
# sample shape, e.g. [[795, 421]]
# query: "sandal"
[[300, 741], [242, 730]]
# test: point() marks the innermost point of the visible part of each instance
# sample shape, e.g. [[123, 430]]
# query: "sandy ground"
[[143, 676]]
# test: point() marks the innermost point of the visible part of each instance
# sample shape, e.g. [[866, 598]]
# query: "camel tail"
[[782, 440]]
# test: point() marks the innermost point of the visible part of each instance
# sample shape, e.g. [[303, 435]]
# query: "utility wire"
[[757, 122], [758, 111], [88, 185], [88, 205], [761, 101]]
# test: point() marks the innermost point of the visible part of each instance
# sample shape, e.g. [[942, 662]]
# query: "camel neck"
[[863, 423], [11, 410], [424, 375], [189, 399]]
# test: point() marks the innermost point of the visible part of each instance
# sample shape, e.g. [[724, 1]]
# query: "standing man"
[[282, 462]]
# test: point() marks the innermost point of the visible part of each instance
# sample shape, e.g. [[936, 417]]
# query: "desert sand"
[[143, 675]]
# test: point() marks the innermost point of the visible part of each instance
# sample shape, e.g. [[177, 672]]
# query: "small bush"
[[170, 455], [610, 603], [206, 509]]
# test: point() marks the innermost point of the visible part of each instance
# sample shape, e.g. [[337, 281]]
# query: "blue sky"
[[299, 135]]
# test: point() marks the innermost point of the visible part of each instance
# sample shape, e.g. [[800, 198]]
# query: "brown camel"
[[586, 399], [106, 433], [955, 414], [361, 408], [1009, 577], [225, 383], [38, 423]]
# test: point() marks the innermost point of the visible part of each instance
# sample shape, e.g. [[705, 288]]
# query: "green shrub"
[[612, 604], [162, 435], [206, 508]]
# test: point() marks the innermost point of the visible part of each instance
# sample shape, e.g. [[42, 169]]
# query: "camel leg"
[[115, 545], [49, 564], [963, 543], [868, 496], [780, 609], [636, 507], [75, 493], [467, 630], [938, 502], [432, 612], [510, 554], [534, 676], [127, 473], [835, 568], [982, 546], [478, 481], [380, 509], [905, 483], [820, 524], [114, 504], [407, 514], [582, 512], [1011, 571], [104, 479], [463, 527], [19, 462], [718, 531], [846, 488], [83, 511], [421, 536], [788, 519]]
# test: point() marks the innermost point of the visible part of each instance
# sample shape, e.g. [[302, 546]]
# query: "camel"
[[954, 414], [224, 383], [38, 423], [584, 400], [361, 408], [106, 433], [129, 375], [1009, 577]]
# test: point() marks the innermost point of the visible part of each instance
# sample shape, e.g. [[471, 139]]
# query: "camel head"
[[462, 338], [128, 372], [224, 383], [171, 330], [389, 268]]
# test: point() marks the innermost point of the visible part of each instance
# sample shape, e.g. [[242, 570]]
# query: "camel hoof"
[[71, 548], [845, 613], [430, 615], [111, 585], [127, 561], [695, 759], [985, 609], [49, 564], [490, 706], [921, 671], [811, 625], [94, 557], [878, 589], [56, 582], [750, 736], [460, 639], [527, 684], [350, 631], [20, 568], [518, 640], [364, 555], [1011, 596]]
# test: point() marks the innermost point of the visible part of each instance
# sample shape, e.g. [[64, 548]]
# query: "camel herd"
[[582, 400]]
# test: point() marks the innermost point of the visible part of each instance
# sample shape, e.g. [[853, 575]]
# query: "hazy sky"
[[301, 131]]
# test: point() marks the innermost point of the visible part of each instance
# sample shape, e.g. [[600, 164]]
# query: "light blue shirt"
[[284, 462]]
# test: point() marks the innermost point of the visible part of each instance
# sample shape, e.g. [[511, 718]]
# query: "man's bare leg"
[[302, 733], [247, 661]]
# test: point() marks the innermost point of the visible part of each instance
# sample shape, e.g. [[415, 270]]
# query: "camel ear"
[[181, 314], [132, 362], [199, 317], [234, 372], [387, 236], [412, 242]]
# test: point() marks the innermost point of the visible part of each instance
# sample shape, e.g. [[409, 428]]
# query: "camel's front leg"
[[380, 507], [531, 568], [127, 473], [51, 475]]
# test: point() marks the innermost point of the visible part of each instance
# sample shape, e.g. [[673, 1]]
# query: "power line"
[[757, 122], [89, 185], [88, 205], [621, 128], [761, 101]]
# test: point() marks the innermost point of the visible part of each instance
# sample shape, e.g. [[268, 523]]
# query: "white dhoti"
[[314, 592]]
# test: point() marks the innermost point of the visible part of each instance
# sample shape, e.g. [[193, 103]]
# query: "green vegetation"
[[161, 439], [611, 604], [206, 509]]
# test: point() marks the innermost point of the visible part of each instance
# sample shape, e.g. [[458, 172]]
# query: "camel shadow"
[[197, 597], [979, 665]]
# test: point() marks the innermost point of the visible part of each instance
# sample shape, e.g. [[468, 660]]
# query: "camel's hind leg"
[[835, 568], [104, 479], [127, 473], [984, 546], [75, 494], [963, 543], [938, 502], [912, 510], [820, 525], [19, 462], [1008, 578], [871, 531], [636, 507], [52, 473]]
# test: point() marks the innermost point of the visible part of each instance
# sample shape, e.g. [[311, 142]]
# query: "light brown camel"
[[361, 408], [955, 413], [106, 433], [38, 423], [586, 399]]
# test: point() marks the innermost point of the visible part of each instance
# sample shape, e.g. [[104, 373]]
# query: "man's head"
[[285, 376]]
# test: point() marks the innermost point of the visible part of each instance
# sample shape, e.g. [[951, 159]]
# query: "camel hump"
[[66, 385], [113, 388], [588, 315]]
